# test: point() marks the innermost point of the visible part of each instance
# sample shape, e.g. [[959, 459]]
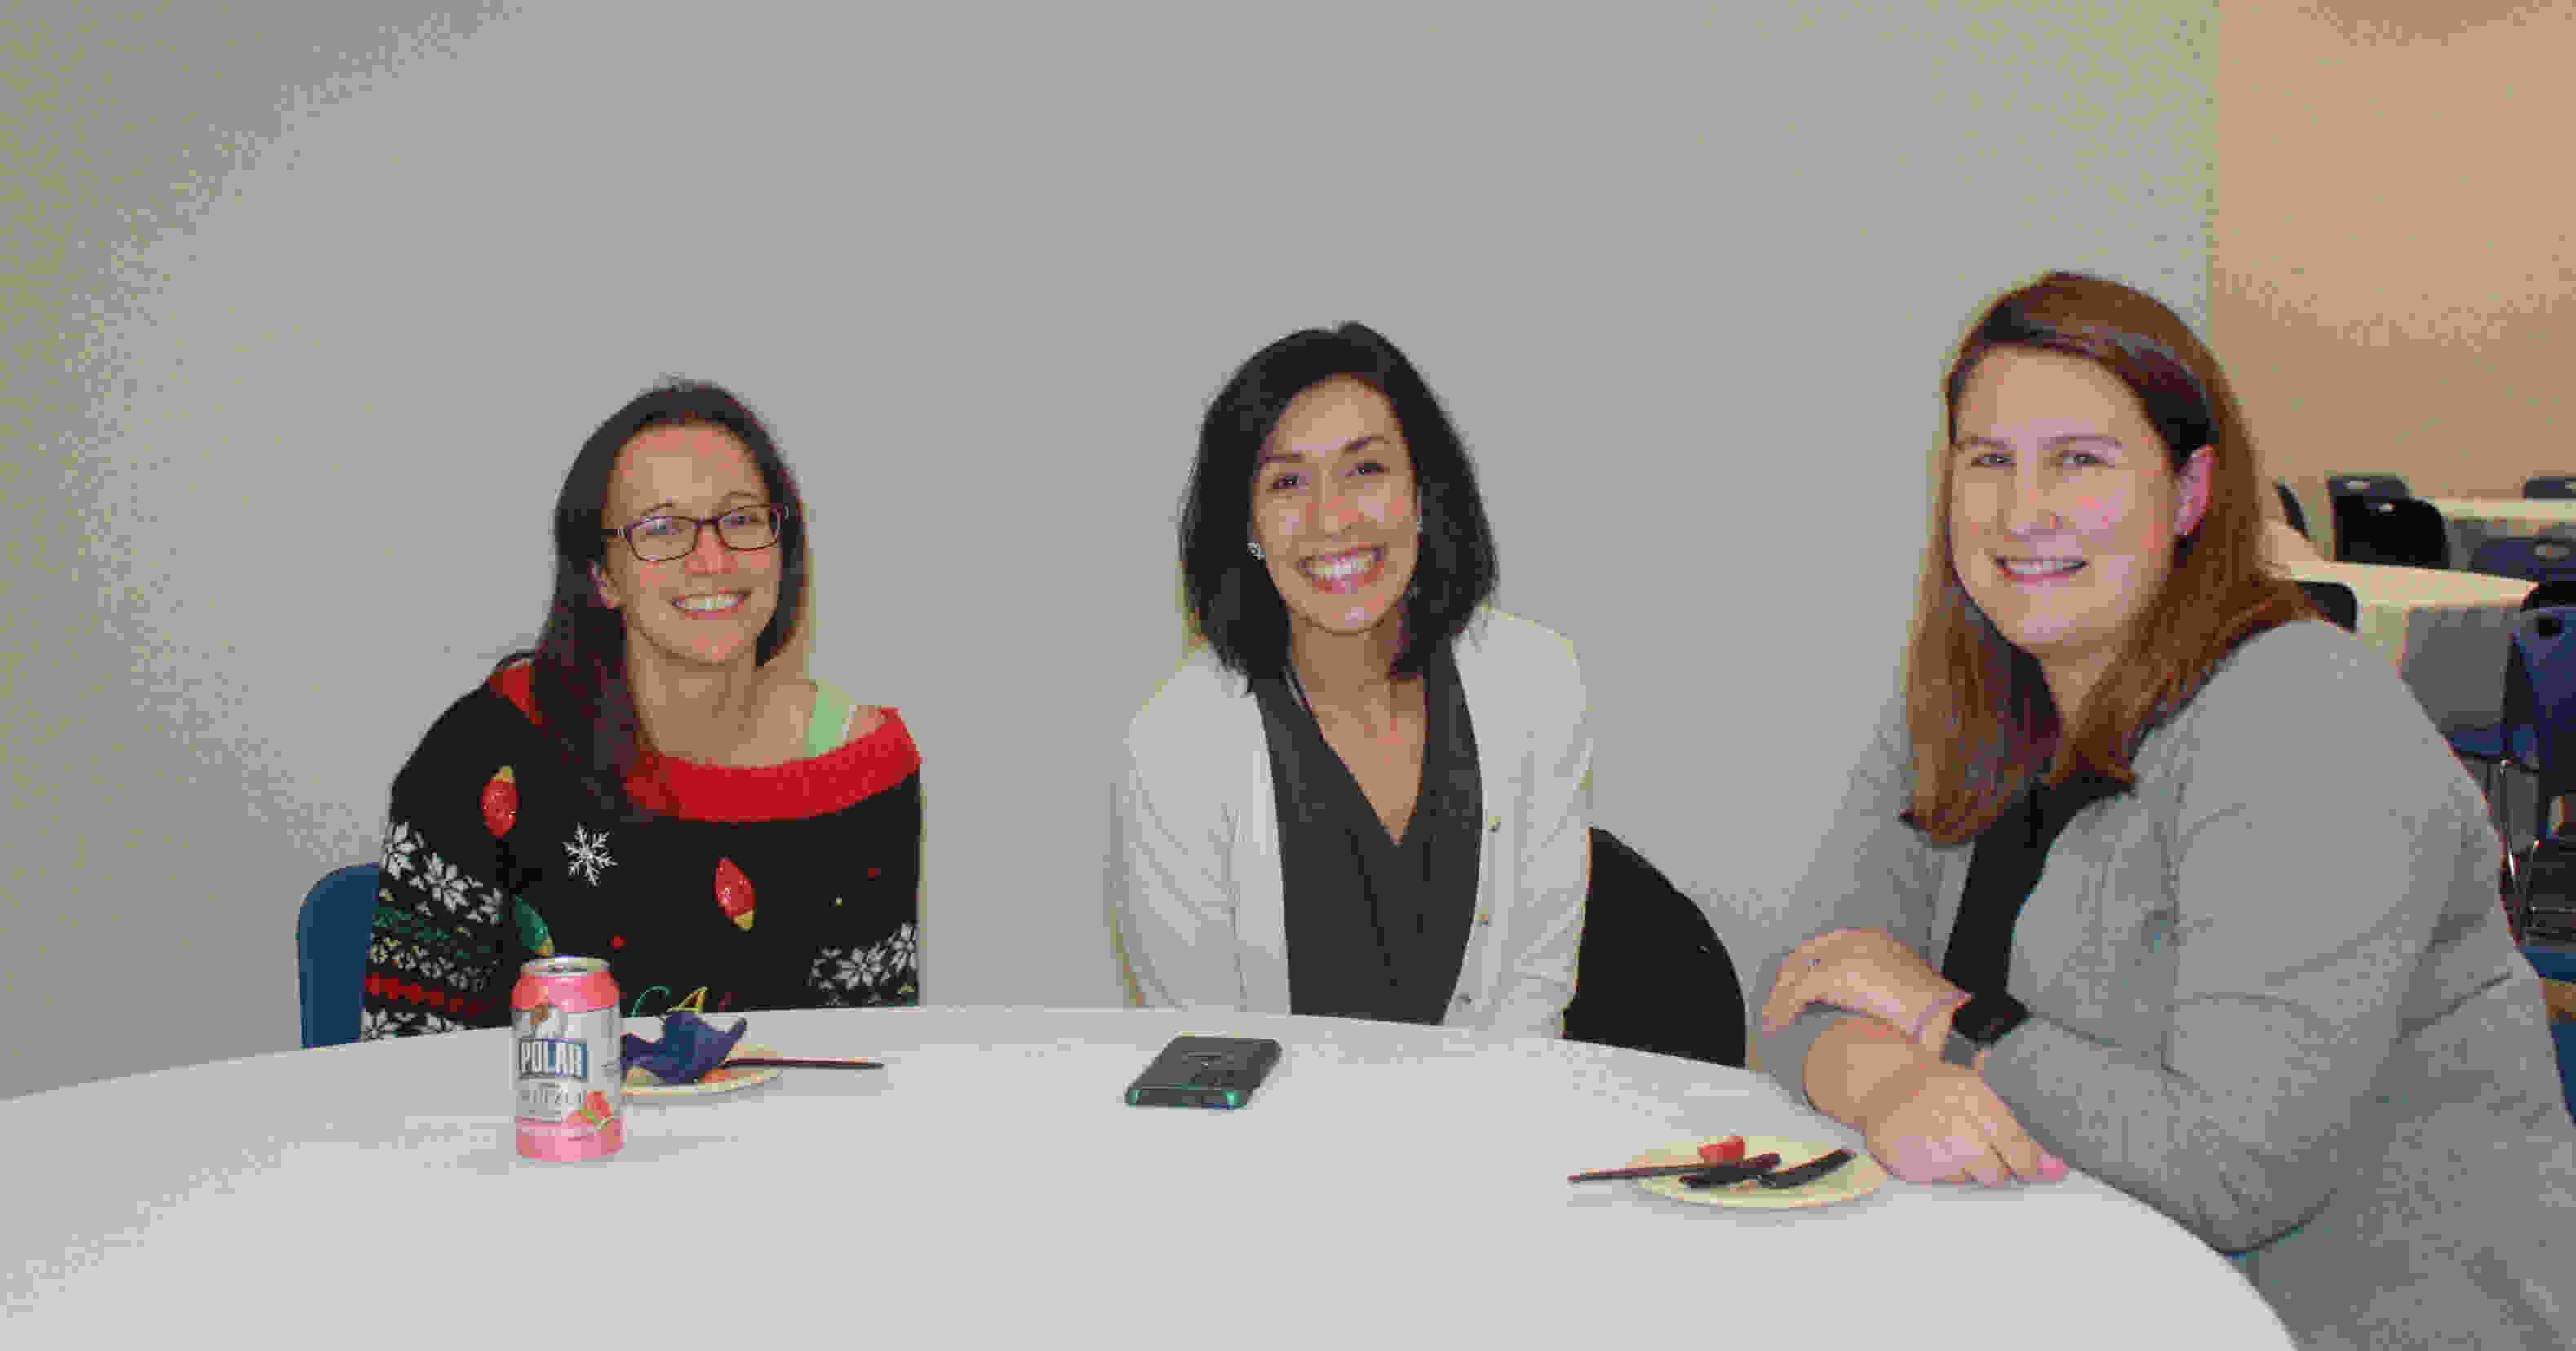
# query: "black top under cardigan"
[[2002, 872], [1376, 928]]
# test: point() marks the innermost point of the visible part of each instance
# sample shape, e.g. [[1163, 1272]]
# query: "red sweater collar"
[[696, 791]]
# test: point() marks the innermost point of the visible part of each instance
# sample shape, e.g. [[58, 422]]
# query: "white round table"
[[1390, 1185], [2472, 521], [2448, 632]]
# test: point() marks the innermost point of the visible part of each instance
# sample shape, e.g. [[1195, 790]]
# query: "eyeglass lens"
[[659, 539]]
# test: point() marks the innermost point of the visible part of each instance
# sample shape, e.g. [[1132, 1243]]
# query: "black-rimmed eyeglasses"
[[659, 539]]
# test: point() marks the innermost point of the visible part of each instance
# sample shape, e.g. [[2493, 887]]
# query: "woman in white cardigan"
[[1365, 793]]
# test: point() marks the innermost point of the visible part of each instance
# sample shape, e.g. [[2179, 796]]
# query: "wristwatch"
[[1980, 1023]]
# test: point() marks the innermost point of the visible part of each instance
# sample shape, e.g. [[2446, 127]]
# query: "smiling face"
[[2064, 510], [689, 471], [1333, 508]]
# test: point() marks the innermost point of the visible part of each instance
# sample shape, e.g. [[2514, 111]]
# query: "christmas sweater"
[[782, 886]]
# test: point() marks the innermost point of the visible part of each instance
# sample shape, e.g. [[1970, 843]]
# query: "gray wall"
[[323, 302]]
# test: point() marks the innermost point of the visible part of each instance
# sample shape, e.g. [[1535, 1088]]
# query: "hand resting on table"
[[1928, 1121], [1935, 1122]]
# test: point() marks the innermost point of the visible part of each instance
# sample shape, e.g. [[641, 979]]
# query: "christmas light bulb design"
[[733, 893], [501, 803]]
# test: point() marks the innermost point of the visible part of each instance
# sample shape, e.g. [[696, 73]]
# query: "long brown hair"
[[1978, 711], [579, 659]]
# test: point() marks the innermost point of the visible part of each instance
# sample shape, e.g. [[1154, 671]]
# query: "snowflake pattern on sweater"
[[475, 885], [589, 855], [887, 973]]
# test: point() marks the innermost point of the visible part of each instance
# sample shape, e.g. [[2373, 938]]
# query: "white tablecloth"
[[2472, 521], [1392, 1186], [2449, 632], [2317, 505]]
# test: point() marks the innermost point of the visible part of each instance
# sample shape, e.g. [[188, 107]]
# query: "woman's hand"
[[1863, 970], [1935, 1122]]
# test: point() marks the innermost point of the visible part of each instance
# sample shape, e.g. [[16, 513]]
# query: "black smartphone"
[[1204, 1072]]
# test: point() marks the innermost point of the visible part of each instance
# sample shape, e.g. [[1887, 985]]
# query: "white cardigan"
[[1195, 889]]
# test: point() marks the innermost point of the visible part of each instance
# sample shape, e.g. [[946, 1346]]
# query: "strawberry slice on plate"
[[1728, 1150]]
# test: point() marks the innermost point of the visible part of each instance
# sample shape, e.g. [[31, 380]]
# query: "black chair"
[[2290, 508], [1651, 974], [2366, 485], [2392, 531], [2342, 609], [2533, 559], [2550, 485]]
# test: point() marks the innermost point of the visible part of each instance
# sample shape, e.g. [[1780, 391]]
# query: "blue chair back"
[[2555, 963], [2549, 485], [2564, 1033], [2539, 727], [331, 938], [2534, 559], [2540, 638]]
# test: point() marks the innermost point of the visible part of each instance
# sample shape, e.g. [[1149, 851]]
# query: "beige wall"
[[2394, 244]]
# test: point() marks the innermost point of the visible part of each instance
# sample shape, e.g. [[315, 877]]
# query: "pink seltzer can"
[[564, 1054]]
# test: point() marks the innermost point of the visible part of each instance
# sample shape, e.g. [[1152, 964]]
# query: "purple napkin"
[[689, 1048]]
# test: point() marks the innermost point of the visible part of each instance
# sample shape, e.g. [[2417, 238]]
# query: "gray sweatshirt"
[[2273, 997]]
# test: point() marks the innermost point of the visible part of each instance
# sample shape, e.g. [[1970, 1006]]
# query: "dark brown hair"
[[1978, 711], [579, 660], [1233, 603]]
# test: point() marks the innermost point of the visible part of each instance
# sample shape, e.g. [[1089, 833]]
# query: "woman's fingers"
[[1955, 1130], [1903, 1153], [1971, 1160], [1862, 970], [1788, 995], [1971, 1150], [2019, 1153], [1922, 1146], [1771, 1001], [1987, 1167], [1799, 986], [1949, 1127], [1771, 1004]]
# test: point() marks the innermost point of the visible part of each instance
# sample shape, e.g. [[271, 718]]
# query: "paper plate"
[[1850, 1182], [640, 1083]]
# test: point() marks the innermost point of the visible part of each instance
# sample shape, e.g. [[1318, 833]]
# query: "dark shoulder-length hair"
[[1979, 713], [1234, 605], [578, 666]]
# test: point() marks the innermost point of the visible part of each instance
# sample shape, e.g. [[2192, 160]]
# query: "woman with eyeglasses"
[[656, 783], [1364, 796], [2150, 874]]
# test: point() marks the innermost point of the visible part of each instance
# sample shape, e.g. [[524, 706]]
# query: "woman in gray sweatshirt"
[[2148, 870]]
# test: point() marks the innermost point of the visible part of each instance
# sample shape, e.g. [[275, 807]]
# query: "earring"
[[1255, 547]]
